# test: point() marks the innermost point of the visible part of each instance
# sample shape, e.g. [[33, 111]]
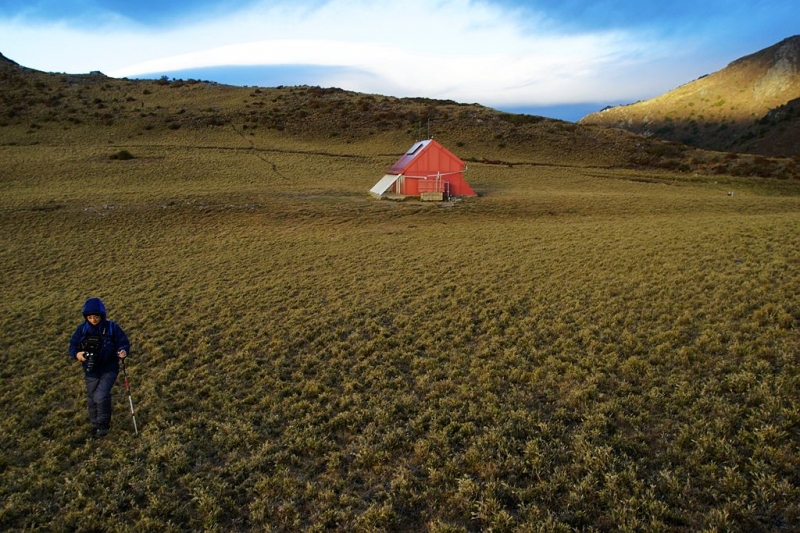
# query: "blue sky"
[[559, 58]]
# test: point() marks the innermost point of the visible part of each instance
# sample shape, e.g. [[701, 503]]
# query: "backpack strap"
[[107, 330]]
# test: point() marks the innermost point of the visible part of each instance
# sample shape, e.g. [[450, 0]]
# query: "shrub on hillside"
[[122, 155]]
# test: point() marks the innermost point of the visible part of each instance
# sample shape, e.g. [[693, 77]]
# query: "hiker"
[[99, 344]]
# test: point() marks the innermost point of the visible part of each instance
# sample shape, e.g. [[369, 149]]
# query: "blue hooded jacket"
[[113, 339]]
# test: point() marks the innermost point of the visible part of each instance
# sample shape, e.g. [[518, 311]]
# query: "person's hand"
[[122, 354], [79, 356]]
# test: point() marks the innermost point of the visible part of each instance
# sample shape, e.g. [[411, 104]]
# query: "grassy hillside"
[[588, 345], [749, 106], [125, 114]]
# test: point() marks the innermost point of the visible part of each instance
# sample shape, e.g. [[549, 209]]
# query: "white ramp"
[[383, 185]]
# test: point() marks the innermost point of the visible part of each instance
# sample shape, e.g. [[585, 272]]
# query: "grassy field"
[[580, 348]]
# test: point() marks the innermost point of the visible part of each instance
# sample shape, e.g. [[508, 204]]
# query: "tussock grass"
[[579, 348]]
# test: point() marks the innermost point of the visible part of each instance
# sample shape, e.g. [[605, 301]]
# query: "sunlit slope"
[[733, 109]]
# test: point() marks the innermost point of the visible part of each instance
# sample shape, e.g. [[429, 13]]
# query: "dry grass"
[[579, 348]]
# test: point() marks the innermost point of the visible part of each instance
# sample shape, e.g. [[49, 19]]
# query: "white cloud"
[[458, 49]]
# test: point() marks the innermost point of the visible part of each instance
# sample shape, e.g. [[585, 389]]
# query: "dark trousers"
[[98, 397]]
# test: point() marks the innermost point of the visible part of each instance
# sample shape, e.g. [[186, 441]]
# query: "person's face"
[[94, 319]]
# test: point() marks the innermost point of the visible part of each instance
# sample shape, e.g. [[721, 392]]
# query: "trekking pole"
[[130, 398]]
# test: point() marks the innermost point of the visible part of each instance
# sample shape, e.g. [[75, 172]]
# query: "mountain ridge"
[[37, 107], [744, 107]]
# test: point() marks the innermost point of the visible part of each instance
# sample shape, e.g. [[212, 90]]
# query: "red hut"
[[428, 170]]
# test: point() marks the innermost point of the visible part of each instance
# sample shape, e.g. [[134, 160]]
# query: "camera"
[[91, 346]]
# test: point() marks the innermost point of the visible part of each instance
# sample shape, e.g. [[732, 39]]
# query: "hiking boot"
[[102, 430]]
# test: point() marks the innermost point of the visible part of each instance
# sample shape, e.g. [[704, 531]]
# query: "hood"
[[94, 306]]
